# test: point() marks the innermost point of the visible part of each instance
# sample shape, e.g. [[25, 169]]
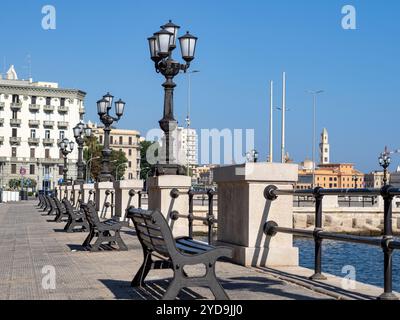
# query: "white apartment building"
[[187, 145], [34, 116]]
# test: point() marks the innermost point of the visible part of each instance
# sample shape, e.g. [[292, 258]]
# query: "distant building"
[[187, 145], [204, 175], [34, 117], [324, 148], [375, 179], [333, 176], [394, 178], [126, 141]]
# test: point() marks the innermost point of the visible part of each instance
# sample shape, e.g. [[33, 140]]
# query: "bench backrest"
[[153, 231], [69, 208], [59, 205], [91, 214]]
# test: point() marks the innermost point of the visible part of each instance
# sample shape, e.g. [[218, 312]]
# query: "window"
[[14, 152], [101, 139], [14, 114], [130, 140], [60, 170], [130, 164], [33, 153], [32, 169], [130, 176], [48, 101], [13, 169], [15, 98], [47, 153], [33, 133], [121, 139], [14, 133], [62, 102], [61, 135], [47, 134], [130, 153], [33, 99], [111, 140]]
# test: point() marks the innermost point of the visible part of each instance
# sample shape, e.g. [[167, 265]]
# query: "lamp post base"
[[106, 177], [168, 169]]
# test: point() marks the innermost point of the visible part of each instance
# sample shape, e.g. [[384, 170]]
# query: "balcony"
[[48, 124], [15, 122], [16, 106], [34, 123], [15, 141], [48, 142], [33, 141], [63, 109], [62, 125], [34, 107], [48, 108]]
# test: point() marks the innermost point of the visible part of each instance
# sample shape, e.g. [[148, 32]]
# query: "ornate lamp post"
[[384, 161], [80, 132], [103, 109], [355, 179], [64, 145], [161, 46]]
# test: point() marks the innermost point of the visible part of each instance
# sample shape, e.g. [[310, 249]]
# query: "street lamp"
[[88, 168], [252, 156], [66, 147], [384, 161], [80, 132], [161, 45], [103, 109], [314, 94], [355, 179]]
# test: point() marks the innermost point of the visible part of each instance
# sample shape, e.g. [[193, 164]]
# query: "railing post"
[[190, 216], [318, 241], [210, 218], [387, 251], [140, 200]]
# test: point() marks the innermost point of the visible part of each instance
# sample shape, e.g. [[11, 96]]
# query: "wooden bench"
[[76, 219], [41, 203], [106, 231], [157, 242], [51, 207]]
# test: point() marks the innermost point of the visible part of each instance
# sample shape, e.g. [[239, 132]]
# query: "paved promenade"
[[28, 242]]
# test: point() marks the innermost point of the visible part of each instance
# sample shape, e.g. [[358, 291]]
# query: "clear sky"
[[101, 46]]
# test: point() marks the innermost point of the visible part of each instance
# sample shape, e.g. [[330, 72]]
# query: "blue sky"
[[101, 46]]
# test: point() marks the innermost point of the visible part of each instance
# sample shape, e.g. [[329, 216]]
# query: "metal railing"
[[209, 220], [386, 242], [108, 204], [343, 201]]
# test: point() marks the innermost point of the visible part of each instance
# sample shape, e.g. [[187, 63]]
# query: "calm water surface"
[[367, 260]]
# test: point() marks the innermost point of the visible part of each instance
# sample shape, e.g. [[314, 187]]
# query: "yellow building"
[[332, 176], [126, 141]]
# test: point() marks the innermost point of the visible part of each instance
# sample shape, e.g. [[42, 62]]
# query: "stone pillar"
[[61, 192], [88, 192], [123, 199], [77, 189], [243, 211], [70, 191], [102, 198], [159, 189]]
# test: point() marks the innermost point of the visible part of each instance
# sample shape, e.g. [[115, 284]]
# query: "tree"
[[94, 151], [118, 160], [145, 166], [14, 184]]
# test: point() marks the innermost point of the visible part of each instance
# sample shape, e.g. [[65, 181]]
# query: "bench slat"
[[189, 250], [195, 244]]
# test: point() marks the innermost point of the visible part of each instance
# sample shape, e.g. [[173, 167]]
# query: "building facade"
[[34, 116], [187, 145], [127, 141], [375, 179], [332, 176]]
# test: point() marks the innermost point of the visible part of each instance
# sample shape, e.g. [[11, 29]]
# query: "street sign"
[[22, 171]]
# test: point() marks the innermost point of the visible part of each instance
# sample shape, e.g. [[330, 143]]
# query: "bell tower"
[[324, 148]]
